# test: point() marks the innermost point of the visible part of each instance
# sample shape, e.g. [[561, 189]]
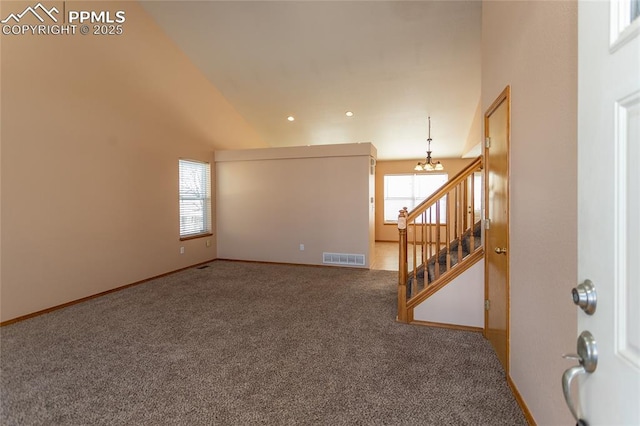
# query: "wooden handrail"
[[444, 189]]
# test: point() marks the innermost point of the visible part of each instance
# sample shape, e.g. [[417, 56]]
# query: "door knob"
[[588, 358], [584, 295], [501, 250]]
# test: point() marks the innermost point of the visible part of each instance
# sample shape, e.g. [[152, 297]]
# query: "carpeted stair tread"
[[442, 259]]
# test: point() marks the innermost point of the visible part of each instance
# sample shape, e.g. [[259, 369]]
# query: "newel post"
[[402, 265]]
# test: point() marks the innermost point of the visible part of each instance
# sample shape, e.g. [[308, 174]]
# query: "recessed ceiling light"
[[291, 118], [349, 114]]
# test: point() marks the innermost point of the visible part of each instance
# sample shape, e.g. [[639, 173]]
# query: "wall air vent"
[[343, 259]]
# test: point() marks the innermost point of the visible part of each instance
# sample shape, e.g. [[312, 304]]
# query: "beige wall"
[[92, 129], [389, 232], [272, 200], [1, 170], [460, 302], [532, 46]]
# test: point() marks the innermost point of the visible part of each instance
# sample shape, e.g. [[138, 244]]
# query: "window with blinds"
[[409, 190], [195, 198]]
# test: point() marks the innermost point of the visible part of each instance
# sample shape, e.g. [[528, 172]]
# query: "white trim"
[[622, 29], [627, 343]]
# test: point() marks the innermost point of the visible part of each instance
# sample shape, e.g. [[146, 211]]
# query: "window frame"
[[414, 197], [203, 195]]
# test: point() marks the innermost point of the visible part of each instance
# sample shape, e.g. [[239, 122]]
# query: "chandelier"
[[428, 165]]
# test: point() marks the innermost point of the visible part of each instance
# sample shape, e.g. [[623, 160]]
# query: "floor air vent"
[[202, 267], [343, 259]]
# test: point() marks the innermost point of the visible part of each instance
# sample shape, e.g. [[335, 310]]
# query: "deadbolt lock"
[[584, 295]]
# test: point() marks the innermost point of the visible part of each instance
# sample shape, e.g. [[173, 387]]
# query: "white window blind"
[[195, 198], [409, 190]]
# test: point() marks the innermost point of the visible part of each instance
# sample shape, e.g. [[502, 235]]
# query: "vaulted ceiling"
[[392, 63]]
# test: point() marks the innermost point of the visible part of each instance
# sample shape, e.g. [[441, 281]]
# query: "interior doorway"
[[497, 130]]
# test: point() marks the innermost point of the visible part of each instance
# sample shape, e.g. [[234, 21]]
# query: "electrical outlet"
[[301, 247], [208, 243], [181, 250]]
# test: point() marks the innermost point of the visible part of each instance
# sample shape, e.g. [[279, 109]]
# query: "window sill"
[[193, 237]]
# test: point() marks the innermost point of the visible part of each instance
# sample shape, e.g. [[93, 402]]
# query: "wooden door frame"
[[505, 96]]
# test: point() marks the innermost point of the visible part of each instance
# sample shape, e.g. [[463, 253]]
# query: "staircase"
[[416, 282], [441, 236]]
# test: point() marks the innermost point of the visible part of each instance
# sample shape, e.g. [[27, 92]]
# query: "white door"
[[609, 206]]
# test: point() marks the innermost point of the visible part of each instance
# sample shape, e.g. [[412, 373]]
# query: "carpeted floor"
[[248, 343]]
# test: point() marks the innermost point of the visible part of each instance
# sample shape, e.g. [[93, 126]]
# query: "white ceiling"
[[392, 63]]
